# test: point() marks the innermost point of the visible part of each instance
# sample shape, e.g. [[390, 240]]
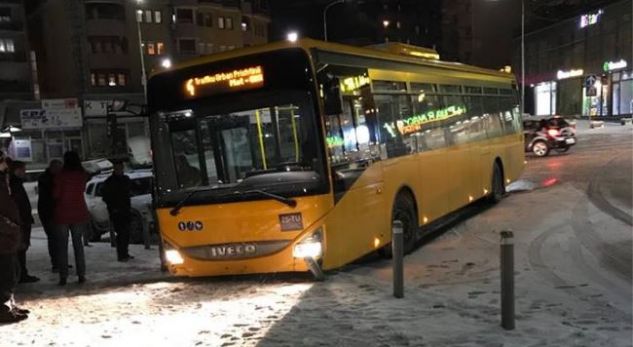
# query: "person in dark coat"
[[9, 244], [116, 194], [46, 206], [21, 198], [71, 213]]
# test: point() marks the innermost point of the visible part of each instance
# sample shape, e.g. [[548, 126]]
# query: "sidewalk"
[[102, 268]]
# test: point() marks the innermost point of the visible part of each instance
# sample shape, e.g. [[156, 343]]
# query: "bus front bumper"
[[247, 258]]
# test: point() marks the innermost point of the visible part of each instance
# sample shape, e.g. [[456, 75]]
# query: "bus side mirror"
[[332, 103]]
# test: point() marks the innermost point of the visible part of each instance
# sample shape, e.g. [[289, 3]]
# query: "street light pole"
[[139, 14], [325, 16], [522, 57]]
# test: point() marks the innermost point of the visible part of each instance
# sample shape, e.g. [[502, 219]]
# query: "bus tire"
[[497, 187], [404, 211]]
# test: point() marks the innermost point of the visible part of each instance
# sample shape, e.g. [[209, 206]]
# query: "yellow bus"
[[299, 156]]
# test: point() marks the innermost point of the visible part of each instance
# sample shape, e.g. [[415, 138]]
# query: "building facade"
[[94, 57], [581, 66], [479, 33]]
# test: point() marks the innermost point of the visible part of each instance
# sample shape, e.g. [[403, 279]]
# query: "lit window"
[[221, 22], [101, 80], [160, 48], [7, 46], [111, 80], [230, 48], [398, 25], [93, 79], [148, 16], [5, 14], [139, 16], [201, 46], [158, 17], [122, 79], [229, 23], [151, 49], [209, 48], [222, 48]]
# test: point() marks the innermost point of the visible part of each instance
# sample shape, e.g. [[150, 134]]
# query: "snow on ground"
[[451, 297], [573, 287]]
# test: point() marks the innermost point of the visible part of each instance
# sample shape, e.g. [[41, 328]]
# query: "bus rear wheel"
[[403, 211], [498, 188]]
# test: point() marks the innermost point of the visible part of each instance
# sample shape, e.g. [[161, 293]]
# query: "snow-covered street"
[[573, 257]]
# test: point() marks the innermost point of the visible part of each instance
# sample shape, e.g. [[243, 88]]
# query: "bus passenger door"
[[358, 216]]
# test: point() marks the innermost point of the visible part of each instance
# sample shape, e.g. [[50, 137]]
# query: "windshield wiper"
[[284, 200], [288, 201], [174, 211]]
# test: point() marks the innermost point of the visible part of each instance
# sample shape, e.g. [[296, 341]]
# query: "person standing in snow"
[[9, 243], [116, 194], [46, 206], [21, 199], [71, 213]]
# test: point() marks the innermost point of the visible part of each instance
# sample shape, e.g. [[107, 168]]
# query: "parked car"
[[542, 134], [142, 217]]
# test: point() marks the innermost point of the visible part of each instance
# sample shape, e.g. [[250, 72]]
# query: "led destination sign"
[[414, 123], [225, 82]]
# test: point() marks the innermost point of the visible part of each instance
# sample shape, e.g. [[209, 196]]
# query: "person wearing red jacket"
[[71, 213]]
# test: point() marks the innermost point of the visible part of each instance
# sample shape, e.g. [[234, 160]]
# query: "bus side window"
[[430, 135], [474, 113], [392, 111], [507, 116], [457, 127], [492, 122]]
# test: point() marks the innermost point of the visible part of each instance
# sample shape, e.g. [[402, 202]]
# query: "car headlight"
[[310, 247]]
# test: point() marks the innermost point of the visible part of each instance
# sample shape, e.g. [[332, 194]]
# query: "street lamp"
[[292, 36], [522, 57], [166, 63], [325, 16], [385, 23], [139, 18]]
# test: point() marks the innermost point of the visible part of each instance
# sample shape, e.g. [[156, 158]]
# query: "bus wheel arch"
[[404, 208], [497, 182]]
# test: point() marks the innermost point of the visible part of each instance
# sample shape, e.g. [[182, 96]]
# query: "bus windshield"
[[221, 146], [229, 127]]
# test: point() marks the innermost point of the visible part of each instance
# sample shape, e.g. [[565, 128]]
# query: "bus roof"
[[309, 44]]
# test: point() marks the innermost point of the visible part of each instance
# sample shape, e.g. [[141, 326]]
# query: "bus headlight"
[[173, 257], [310, 247]]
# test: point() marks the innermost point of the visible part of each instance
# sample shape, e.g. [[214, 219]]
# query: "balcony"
[[12, 26], [14, 57], [106, 27], [15, 86]]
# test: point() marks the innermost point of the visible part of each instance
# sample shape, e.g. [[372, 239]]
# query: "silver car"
[[141, 199]]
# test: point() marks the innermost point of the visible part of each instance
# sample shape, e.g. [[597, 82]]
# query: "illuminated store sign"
[[351, 84], [414, 123], [561, 75], [590, 18], [223, 82], [334, 141], [614, 65]]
